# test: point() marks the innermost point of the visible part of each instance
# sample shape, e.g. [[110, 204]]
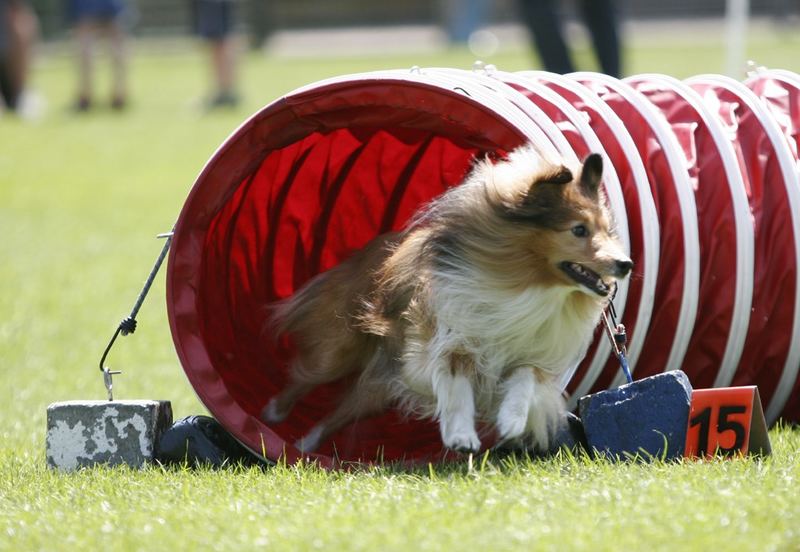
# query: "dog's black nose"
[[623, 267]]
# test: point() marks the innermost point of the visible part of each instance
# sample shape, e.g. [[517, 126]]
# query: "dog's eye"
[[580, 231]]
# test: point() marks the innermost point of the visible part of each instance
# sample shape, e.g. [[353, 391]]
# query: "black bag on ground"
[[201, 440]]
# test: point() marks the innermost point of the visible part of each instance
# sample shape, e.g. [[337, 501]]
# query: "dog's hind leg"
[[301, 382], [279, 407], [324, 364], [363, 400]]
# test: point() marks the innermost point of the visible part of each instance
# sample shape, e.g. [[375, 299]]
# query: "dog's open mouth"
[[586, 277]]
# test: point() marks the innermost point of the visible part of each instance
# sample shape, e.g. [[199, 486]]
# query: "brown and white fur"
[[471, 314]]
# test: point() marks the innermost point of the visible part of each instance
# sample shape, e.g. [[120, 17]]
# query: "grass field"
[[81, 200]]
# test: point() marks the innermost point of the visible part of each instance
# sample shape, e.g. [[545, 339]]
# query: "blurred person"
[[97, 18], [213, 21], [464, 17], [259, 22], [19, 28], [544, 24]]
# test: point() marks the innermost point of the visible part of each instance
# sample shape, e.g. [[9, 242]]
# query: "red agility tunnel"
[[699, 176]]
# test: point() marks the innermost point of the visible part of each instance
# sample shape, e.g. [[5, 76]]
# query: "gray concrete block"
[[85, 433], [648, 417]]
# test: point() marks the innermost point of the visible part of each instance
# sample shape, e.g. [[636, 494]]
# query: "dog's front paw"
[[464, 439], [512, 416], [546, 417], [512, 419]]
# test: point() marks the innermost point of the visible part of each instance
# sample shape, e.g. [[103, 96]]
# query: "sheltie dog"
[[470, 315]]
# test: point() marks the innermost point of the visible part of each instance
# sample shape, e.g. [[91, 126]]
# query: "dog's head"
[[557, 226]]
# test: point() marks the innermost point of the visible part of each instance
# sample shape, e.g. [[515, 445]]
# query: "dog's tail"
[[288, 315], [333, 302]]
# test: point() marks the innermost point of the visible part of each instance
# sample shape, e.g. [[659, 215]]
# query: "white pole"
[[736, 15]]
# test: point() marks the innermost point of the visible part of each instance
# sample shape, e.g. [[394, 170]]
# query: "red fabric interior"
[[306, 208]]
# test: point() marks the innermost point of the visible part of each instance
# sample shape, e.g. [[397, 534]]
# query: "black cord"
[[128, 325]]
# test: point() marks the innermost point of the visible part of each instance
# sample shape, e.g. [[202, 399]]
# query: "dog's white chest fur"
[[500, 331], [538, 327]]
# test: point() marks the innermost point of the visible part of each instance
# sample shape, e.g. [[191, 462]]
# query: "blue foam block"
[[640, 417]]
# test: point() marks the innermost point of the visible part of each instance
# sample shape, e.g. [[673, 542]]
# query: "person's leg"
[[213, 22], [601, 19], [24, 28], [8, 96], [119, 64], [84, 35], [223, 55], [545, 27]]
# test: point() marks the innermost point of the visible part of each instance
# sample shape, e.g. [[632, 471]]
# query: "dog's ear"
[[541, 204], [559, 175], [591, 174], [548, 183]]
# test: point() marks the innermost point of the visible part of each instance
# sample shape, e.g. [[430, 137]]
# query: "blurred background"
[[266, 21], [619, 37]]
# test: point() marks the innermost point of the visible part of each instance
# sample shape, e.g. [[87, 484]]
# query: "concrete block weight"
[[86, 433]]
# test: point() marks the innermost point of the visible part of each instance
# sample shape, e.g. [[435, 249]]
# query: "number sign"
[[726, 421]]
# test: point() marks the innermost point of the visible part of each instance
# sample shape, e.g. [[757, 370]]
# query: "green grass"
[[563, 504], [81, 200]]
